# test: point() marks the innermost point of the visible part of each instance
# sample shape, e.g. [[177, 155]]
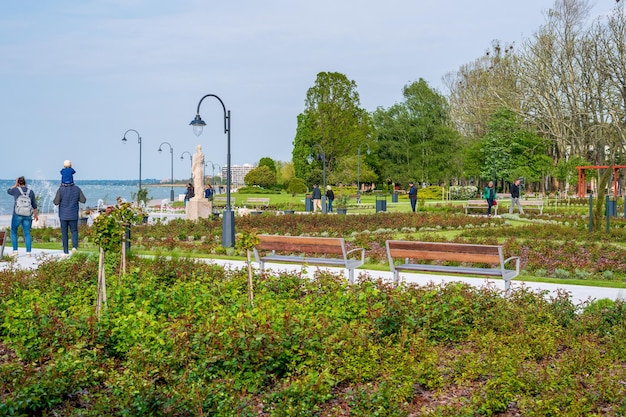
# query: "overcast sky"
[[76, 74]]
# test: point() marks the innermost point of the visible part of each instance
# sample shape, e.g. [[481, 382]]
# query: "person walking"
[[515, 197], [330, 196], [68, 198], [24, 208], [413, 195], [316, 196], [489, 194]]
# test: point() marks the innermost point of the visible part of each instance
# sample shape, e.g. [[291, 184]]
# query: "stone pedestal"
[[201, 208]]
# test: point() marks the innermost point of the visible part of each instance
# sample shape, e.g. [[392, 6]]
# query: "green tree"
[[509, 150], [268, 162], [332, 119], [296, 186], [416, 139], [261, 176]]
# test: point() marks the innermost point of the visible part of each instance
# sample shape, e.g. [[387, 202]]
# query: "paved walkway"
[[578, 293]]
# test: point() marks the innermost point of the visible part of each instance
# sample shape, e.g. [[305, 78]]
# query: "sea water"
[[97, 193]]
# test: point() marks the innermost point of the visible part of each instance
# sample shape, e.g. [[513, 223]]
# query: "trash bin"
[[611, 208], [394, 197], [381, 204], [308, 203]]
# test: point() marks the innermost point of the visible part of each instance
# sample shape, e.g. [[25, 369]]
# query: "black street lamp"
[[190, 160], [171, 165], [228, 218], [358, 167], [212, 171], [139, 141], [322, 155]]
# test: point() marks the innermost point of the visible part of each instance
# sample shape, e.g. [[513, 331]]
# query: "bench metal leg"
[[351, 276]]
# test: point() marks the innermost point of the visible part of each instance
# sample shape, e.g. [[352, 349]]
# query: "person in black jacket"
[[515, 197], [330, 196], [68, 198], [316, 197]]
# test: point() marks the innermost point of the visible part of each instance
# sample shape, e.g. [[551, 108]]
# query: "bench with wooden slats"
[[532, 204], [220, 202], [302, 250], [479, 204], [414, 254], [257, 202]]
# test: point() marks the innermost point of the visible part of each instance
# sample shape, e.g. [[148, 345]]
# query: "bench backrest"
[[258, 200], [223, 200], [302, 244], [475, 202], [459, 252]]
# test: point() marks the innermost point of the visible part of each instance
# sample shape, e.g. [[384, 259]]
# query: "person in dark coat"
[[412, 195], [68, 199]]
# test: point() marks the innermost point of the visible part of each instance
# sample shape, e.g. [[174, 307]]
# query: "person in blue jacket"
[[68, 198]]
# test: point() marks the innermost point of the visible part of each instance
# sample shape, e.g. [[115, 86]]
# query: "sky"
[[75, 75]]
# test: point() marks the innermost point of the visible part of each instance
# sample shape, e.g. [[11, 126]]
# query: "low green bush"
[[179, 337]]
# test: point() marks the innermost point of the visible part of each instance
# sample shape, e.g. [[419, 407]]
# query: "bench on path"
[[258, 202], [357, 202], [221, 202], [299, 249], [479, 204], [532, 204], [461, 253], [3, 238]]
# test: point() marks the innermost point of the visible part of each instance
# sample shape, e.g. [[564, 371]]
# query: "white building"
[[237, 172]]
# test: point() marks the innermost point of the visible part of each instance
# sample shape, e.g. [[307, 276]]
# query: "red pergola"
[[581, 177]]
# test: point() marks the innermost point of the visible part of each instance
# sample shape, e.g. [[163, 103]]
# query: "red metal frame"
[[581, 177]]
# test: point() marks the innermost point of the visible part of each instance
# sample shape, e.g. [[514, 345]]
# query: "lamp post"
[[220, 171], [138, 141], [171, 166], [228, 218], [212, 171], [190, 160], [358, 167], [323, 156]]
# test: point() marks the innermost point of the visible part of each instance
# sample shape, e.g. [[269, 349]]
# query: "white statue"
[[197, 172]]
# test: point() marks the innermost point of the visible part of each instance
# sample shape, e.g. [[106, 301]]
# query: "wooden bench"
[[221, 202], [463, 254], [258, 202], [3, 238], [357, 202], [479, 204], [532, 204], [298, 249]]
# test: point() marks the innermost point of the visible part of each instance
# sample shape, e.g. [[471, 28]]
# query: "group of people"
[[25, 209], [190, 193], [316, 197], [489, 194]]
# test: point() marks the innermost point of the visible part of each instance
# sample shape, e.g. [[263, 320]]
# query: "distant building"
[[238, 173]]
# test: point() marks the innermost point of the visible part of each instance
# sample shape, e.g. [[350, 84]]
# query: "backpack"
[[22, 203]]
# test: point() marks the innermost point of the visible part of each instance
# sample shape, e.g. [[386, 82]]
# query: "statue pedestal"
[[201, 208]]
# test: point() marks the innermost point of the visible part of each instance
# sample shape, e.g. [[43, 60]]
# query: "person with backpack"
[[24, 209]]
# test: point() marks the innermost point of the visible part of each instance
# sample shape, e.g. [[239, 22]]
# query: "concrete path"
[[577, 293]]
